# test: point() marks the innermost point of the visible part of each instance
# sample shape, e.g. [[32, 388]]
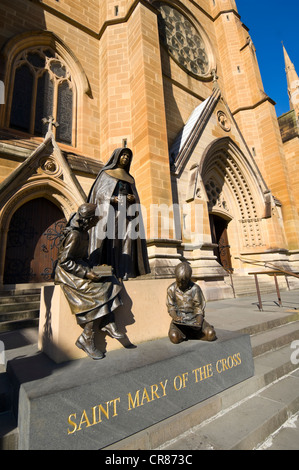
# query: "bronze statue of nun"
[[118, 240], [91, 295]]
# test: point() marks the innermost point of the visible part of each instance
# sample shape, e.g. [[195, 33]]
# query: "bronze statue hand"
[[114, 200], [198, 321], [92, 276], [178, 319]]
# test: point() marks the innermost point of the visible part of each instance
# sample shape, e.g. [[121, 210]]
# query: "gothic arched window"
[[42, 87]]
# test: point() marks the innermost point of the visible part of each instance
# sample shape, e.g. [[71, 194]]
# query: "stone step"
[[31, 320], [19, 315], [17, 292], [251, 290], [17, 308], [245, 426], [268, 325], [19, 299], [274, 338], [284, 438]]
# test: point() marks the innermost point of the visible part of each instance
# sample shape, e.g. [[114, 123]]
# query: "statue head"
[[124, 159], [87, 217], [183, 273]]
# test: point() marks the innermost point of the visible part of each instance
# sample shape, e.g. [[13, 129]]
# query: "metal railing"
[[266, 264], [274, 271]]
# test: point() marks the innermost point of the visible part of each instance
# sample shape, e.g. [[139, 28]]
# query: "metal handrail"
[[278, 269]]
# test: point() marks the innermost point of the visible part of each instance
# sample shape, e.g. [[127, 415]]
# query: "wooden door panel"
[[32, 242], [220, 237]]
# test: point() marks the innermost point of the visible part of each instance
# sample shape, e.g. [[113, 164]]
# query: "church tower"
[[293, 83], [289, 126]]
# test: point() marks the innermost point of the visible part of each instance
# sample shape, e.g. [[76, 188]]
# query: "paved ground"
[[243, 312]]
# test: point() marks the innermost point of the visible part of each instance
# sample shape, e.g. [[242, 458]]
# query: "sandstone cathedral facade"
[[178, 82]]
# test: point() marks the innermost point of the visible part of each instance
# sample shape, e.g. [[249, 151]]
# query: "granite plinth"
[[89, 405]]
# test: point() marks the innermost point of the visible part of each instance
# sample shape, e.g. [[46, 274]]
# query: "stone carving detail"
[[223, 121], [215, 196], [50, 166], [232, 177]]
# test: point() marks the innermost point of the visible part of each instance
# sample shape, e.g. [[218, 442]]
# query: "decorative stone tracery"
[[229, 191], [47, 82], [215, 196], [185, 41]]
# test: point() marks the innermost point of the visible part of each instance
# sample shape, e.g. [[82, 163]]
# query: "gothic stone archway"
[[235, 195]]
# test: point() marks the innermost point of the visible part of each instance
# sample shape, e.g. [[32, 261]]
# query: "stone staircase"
[[19, 309], [244, 416]]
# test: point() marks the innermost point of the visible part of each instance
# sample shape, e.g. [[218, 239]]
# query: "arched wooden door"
[[219, 236], [32, 242]]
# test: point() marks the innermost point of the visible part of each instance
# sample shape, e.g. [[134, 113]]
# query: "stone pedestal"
[[142, 317], [89, 405]]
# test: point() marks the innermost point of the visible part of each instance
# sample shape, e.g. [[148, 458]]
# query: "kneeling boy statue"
[[186, 306]]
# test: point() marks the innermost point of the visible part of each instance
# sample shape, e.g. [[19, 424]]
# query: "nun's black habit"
[[118, 239]]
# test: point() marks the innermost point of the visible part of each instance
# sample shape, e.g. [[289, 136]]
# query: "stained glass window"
[[64, 113], [22, 98], [58, 69], [44, 103], [36, 60], [40, 75]]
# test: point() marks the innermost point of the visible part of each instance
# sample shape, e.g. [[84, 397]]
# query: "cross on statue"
[[51, 122]]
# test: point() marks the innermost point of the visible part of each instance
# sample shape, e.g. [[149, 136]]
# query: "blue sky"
[[270, 23]]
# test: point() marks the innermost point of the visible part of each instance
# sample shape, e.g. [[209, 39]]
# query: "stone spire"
[[293, 82]]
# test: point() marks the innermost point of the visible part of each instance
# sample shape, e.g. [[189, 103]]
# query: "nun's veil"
[[114, 159], [112, 163]]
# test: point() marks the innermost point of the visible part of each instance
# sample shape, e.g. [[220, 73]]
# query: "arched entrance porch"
[[236, 203]]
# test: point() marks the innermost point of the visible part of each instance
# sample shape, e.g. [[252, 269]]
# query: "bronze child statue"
[[186, 306], [91, 294]]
